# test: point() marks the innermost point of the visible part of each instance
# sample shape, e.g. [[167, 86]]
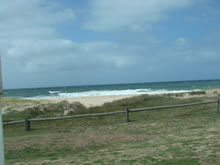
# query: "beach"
[[92, 101], [13, 104]]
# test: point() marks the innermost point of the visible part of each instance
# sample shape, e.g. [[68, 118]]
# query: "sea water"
[[112, 89]]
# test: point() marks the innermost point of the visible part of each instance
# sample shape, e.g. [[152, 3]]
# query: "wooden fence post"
[[27, 124], [127, 114], [218, 105]]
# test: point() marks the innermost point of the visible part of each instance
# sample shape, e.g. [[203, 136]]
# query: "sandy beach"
[[92, 101]]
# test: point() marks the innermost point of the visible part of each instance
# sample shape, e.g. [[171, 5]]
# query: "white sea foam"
[[108, 93], [54, 92]]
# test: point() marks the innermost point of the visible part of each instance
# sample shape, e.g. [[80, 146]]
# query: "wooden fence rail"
[[77, 116], [28, 121], [13, 122], [171, 106]]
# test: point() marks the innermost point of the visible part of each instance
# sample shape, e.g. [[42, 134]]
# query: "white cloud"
[[184, 51], [111, 15], [31, 18], [36, 55], [30, 43]]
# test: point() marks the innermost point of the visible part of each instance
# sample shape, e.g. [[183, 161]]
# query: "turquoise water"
[[113, 89]]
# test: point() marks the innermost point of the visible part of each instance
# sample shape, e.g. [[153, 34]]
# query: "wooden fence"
[[28, 121]]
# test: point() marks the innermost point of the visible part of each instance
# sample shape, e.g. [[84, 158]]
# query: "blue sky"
[[71, 42]]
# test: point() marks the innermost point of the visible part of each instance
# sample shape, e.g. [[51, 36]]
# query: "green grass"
[[9, 101], [182, 136], [179, 162]]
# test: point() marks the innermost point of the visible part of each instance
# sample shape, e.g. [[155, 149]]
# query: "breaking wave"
[[59, 94]]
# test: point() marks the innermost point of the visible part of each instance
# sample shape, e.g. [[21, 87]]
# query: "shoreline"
[[13, 104], [92, 101]]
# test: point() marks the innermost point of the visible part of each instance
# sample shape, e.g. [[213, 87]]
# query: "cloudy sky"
[[80, 42]]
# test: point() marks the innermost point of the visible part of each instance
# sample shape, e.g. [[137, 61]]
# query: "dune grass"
[[36, 109], [11, 101], [184, 136]]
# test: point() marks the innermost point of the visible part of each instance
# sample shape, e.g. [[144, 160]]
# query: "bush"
[[197, 93]]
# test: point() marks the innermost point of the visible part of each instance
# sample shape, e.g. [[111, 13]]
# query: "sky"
[[47, 43]]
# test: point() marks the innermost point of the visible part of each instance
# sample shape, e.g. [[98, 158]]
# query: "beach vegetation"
[[197, 93], [62, 108], [215, 92], [175, 94]]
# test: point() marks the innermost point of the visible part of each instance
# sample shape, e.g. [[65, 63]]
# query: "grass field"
[[168, 137]]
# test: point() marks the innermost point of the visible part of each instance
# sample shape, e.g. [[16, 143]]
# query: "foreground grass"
[[172, 136]]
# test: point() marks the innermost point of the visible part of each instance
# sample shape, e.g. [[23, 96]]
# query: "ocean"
[[111, 89]]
